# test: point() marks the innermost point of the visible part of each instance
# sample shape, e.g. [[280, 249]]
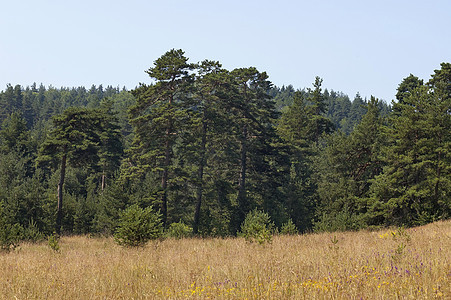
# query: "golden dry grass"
[[388, 264]]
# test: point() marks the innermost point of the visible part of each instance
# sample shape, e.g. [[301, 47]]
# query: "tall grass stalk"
[[362, 265]]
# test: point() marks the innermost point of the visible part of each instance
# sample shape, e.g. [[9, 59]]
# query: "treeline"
[[344, 113], [205, 146]]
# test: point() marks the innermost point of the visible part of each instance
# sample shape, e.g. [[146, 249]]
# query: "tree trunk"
[[167, 162], [438, 171], [242, 202], [103, 181], [164, 185], [59, 214], [200, 176], [165, 177]]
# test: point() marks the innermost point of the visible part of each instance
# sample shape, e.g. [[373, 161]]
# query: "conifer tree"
[[75, 140], [212, 91], [301, 126], [414, 187], [254, 117], [158, 117], [345, 169], [318, 123]]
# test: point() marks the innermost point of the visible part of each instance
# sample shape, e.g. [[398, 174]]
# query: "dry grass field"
[[389, 264]]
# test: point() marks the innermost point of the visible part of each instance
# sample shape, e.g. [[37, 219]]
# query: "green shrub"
[[53, 242], [340, 221], [179, 230], [137, 226], [289, 228], [10, 234], [32, 232], [257, 227]]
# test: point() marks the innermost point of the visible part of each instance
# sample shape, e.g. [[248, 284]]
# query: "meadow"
[[392, 263]]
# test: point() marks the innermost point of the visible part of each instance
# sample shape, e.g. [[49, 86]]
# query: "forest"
[[204, 146]]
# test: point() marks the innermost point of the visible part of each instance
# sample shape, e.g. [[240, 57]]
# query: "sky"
[[359, 46]]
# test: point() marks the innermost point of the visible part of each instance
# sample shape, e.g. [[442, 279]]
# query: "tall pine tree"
[[158, 117]]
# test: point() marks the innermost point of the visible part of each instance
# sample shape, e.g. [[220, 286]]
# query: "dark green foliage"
[[344, 113], [158, 117], [344, 170], [209, 123], [82, 138], [32, 232], [10, 234], [208, 146], [137, 226], [301, 126], [73, 140], [407, 86], [343, 220], [414, 187], [111, 143], [11, 101], [110, 203], [14, 134], [254, 132], [28, 192], [283, 96]]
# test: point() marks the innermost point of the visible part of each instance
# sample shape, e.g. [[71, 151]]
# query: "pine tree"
[[293, 129], [415, 185], [14, 135], [75, 140], [158, 117], [212, 89], [407, 86], [318, 123], [301, 126], [345, 169], [254, 114], [111, 144]]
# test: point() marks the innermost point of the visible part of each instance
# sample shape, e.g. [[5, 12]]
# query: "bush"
[[257, 227], [137, 226], [289, 228], [53, 242], [340, 221], [179, 230], [10, 234], [32, 232]]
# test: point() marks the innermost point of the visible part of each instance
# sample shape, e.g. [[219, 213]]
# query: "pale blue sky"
[[355, 46]]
